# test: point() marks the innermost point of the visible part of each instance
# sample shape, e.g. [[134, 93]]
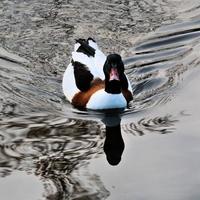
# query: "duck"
[[95, 81]]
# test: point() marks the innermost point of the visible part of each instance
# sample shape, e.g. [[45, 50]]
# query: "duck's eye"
[[114, 65]]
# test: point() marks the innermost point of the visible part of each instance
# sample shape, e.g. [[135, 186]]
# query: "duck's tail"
[[88, 53], [87, 47]]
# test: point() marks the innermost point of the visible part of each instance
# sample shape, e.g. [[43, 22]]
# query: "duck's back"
[[87, 61]]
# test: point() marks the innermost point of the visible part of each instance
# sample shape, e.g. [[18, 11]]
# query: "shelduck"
[[94, 81]]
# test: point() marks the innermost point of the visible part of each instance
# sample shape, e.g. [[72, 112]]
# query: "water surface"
[[58, 152]]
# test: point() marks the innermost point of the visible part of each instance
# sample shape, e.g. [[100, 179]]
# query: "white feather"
[[68, 83], [99, 60], [103, 100], [76, 46], [95, 64], [93, 44]]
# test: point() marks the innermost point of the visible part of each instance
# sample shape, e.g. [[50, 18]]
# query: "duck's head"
[[115, 79]]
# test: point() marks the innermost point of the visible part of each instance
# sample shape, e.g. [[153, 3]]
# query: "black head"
[[115, 79]]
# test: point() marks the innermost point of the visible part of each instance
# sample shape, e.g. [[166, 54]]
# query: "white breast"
[[102, 100]]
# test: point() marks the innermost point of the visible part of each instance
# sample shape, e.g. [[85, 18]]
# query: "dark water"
[[50, 150]]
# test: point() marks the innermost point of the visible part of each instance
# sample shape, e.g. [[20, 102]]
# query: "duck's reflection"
[[114, 144]]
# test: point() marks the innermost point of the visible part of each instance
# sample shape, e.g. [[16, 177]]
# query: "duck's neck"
[[113, 87]]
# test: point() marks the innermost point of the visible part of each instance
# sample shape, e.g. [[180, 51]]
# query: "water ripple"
[[40, 132], [55, 148], [161, 125], [160, 60]]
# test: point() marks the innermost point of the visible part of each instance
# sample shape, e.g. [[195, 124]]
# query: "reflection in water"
[[59, 150], [114, 144], [53, 148]]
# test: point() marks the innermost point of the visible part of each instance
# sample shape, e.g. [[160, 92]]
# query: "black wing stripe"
[[85, 47], [83, 76]]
